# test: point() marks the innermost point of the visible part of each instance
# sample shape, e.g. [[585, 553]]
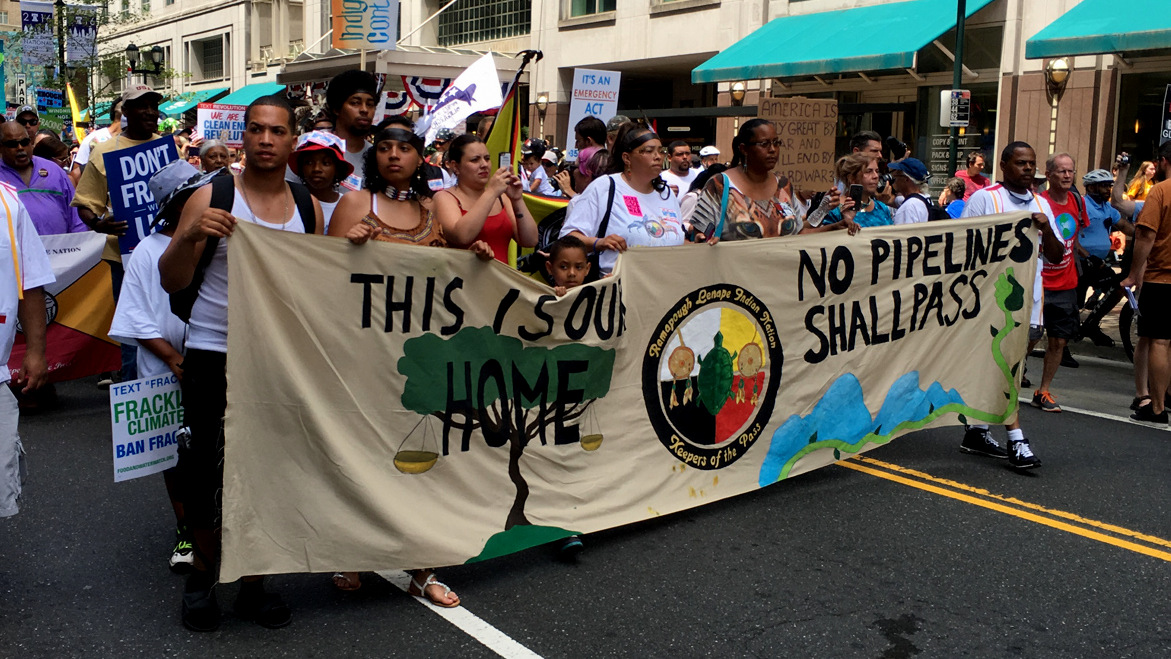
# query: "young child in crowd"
[[567, 264], [143, 314]]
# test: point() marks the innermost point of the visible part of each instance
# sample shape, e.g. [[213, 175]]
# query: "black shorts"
[[1154, 311], [1061, 314], [201, 468]]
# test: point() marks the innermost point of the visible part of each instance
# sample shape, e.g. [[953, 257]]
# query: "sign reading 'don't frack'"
[[365, 24], [807, 128], [128, 173]]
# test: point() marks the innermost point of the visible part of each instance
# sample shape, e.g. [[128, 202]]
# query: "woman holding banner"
[[748, 200], [483, 206], [396, 205], [631, 206]]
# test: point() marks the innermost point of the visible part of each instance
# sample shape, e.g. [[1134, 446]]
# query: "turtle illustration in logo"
[[715, 376]]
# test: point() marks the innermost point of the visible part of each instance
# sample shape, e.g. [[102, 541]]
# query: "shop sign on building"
[[807, 128], [955, 108], [595, 94]]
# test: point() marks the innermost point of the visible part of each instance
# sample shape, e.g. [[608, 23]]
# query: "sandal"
[[342, 581], [420, 590]]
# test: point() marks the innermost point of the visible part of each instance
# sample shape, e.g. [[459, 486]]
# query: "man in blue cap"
[[908, 178]]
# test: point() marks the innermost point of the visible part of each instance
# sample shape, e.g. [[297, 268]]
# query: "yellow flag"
[[77, 129]]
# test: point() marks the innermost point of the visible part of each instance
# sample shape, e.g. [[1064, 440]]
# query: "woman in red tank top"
[[483, 206]]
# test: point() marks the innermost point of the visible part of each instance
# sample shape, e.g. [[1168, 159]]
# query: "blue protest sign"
[[128, 171]]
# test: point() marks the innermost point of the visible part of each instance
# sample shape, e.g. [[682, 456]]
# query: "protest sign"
[[128, 173], [365, 25], [79, 309], [215, 121], [476, 89], [145, 416], [418, 407], [38, 44], [595, 94], [807, 128]]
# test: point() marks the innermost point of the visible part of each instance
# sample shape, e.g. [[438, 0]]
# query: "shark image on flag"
[[476, 89]]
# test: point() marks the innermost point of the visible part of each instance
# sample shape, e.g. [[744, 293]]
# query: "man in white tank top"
[[262, 196]]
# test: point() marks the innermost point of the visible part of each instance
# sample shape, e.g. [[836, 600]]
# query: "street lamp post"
[[542, 105], [1056, 76], [134, 55]]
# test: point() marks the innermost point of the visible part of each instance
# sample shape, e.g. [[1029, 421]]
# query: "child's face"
[[570, 267], [529, 163]]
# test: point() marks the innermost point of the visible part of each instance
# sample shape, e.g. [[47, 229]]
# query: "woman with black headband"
[[395, 205], [483, 206], [747, 200], [629, 207]]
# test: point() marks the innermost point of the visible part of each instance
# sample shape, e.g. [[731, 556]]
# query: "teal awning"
[[245, 95], [872, 38], [100, 112], [186, 101], [1103, 26]]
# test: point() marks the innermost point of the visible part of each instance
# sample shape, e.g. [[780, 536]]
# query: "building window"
[[205, 58], [587, 7], [4, 17], [473, 21]]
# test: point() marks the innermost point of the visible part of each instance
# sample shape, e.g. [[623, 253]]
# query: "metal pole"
[[61, 71], [956, 81]]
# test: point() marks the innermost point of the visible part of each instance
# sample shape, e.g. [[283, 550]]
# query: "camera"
[[883, 181], [1123, 159]]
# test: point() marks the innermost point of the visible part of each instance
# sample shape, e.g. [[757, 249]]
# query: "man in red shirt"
[[973, 177], [1060, 313]]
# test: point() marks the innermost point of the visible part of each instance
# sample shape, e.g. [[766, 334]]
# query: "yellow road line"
[[1111, 528], [1001, 508]]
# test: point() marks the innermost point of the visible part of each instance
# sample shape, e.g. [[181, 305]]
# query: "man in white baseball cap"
[[708, 156]]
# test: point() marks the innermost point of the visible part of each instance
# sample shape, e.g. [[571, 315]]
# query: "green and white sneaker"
[[183, 556]]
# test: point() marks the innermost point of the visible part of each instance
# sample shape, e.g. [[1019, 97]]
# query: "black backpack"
[[223, 196], [934, 211]]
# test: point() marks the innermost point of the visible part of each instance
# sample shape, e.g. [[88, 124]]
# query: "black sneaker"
[[569, 548], [979, 441], [1020, 455], [183, 555], [201, 611], [1099, 337], [1146, 414], [1043, 400], [1067, 359], [264, 608]]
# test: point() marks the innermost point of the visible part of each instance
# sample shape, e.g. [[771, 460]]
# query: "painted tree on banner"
[[477, 380]]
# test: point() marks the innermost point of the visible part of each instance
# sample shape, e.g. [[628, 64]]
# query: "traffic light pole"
[[956, 82]]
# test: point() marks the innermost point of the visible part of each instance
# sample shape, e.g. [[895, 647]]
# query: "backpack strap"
[[609, 209], [223, 196], [719, 231], [304, 201]]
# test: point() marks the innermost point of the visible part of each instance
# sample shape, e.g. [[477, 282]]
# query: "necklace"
[[255, 218], [395, 194]]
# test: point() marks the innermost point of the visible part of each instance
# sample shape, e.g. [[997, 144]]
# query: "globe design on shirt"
[[654, 228], [1068, 226]]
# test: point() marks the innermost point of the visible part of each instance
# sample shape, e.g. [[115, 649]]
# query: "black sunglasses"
[[28, 122], [12, 144]]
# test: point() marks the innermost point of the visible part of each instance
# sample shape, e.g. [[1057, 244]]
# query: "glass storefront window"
[[1140, 112], [932, 146]]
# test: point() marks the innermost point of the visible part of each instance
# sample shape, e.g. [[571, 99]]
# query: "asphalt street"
[[912, 550]]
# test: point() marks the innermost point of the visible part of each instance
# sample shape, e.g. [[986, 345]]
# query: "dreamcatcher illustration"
[[750, 362], [680, 363]]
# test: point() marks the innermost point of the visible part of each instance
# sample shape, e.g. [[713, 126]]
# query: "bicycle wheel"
[[1128, 329]]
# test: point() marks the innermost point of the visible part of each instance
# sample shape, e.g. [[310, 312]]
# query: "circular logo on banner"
[[710, 375]]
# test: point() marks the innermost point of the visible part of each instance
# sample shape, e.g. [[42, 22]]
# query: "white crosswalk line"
[[469, 623], [1102, 415]]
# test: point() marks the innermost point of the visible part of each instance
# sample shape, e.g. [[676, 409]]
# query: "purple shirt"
[[47, 197]]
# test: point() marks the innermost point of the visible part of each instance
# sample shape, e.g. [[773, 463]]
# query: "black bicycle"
[[1128, 328]]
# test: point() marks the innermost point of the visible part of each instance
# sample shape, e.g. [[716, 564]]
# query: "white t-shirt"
[[913, 210], [998, 199], [681, 182], [87, 144], [354, 181], [144, 308], [209, 314], [544, 187], [327, 210], [643, 220], [34, 269]]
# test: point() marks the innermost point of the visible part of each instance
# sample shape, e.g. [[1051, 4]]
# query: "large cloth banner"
[[417, 407], [38, 43], [128, 173], [79, 308]]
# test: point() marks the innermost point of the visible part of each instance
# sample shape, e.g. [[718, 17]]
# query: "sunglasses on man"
[[12, 144], [34, 121]]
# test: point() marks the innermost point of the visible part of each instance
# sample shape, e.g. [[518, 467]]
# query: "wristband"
[[595, 247]]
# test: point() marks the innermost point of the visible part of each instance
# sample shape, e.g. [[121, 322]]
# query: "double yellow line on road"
[[1075, 524]]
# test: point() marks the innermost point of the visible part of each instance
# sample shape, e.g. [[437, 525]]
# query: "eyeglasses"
[[764, 144], [28, 122], [12, 144]]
